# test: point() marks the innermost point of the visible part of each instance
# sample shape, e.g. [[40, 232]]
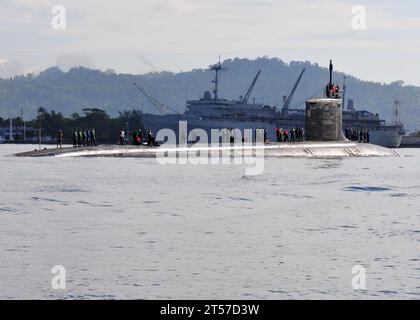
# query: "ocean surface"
[[133, 229]]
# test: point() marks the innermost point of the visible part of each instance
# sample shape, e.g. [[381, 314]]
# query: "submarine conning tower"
[[324, 116]]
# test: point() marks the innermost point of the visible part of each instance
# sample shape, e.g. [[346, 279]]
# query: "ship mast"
[[397, 112], [11, 112], [216, 68]]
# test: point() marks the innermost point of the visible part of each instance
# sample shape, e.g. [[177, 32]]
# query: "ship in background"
[[212, 112], [383, 134]]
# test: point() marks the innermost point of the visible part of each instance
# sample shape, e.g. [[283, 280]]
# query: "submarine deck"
[[292, 149]]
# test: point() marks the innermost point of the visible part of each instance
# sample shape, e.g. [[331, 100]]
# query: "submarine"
[[324, 138]]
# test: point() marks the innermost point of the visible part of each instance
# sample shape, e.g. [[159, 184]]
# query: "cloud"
[[9, 69], [182, 34]]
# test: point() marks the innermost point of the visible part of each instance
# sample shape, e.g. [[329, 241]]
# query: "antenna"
[[331, 71], [332, 91]]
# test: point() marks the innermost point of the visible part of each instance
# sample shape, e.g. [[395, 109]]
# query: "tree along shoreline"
[[107, 129]]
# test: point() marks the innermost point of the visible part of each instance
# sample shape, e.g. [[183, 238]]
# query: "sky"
[[139, 36]]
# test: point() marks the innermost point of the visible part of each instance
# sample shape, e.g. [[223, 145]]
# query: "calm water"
[[130, 228]]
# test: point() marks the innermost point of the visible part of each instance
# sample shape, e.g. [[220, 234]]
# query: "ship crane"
[[163, 109], [248, 93], [292, 93]]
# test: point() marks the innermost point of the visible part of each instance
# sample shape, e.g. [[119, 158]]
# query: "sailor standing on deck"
[[92, 137], [278, 134], [60, 139], [79, 137], [135, 137], [150, 138], [75, 135], [122, 137], [86, 136]]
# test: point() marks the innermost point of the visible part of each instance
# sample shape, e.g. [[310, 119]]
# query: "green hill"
[[70, 92]]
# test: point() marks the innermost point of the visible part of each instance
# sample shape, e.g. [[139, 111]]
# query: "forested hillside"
[[70, 92]]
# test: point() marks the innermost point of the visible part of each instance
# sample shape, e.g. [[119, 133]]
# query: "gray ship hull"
[[386, 137]]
